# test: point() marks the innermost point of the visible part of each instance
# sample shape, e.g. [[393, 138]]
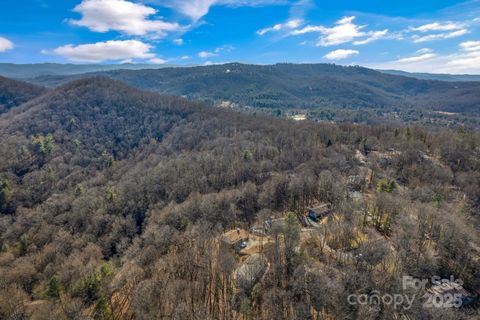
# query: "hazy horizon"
[[441, 37]]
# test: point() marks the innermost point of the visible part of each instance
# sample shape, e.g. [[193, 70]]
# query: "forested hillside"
[[14, 93], [116, 203], [300, 86]]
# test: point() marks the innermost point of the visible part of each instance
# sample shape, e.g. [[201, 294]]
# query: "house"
[[236, 239], [268, 226], [275, 225], [318, 212], [452, 293], [259, 230]]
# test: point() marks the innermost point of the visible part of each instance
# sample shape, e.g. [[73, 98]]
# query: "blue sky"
[[440, 36]]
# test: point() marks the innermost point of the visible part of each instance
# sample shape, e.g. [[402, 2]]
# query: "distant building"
[[274, 225], [226, 104], [318, 212], [236, 239], [299, 117], [259, 230], [451, 290]]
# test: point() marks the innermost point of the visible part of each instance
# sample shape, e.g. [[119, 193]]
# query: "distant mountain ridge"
[[298, 86], [24, 71], [434, 76]]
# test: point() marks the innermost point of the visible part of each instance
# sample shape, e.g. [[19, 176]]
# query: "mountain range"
[[434, 76], [293, 86], [25, 71]]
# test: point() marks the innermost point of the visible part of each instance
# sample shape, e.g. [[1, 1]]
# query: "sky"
[[437, 36]]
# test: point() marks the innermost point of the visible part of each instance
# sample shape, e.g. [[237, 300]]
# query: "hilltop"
[[13, 93]]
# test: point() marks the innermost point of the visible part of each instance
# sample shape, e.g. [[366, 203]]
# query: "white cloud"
[[157, 61], [438, 31], [424, 50], [439, 36], [196, 9], [179, 42], [469, 58], [465, 61], [470, 46], [417, 58], [105, 51], [343, 31], [216, 52], [225, 48], [289, 25], [373, 36], [421, 55], [5, 44], [469, 64], [206, 54], [341, 54], [185, 57], [212, 63], [437, 26], [307, 29], [122, 16]]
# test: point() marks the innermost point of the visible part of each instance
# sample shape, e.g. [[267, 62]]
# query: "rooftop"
[[234, 236]]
